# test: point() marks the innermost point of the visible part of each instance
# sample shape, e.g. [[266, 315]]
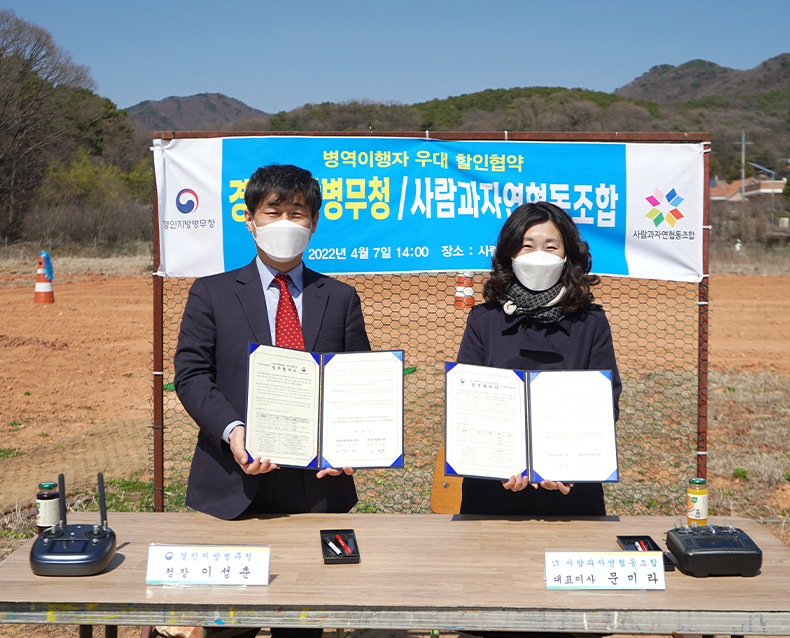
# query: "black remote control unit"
[[714, 550], [74, 550]]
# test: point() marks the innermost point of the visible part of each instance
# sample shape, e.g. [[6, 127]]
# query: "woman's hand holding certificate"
[[331, 471], [518, 483]]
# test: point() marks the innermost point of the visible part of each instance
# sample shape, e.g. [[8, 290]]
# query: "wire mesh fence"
[[655, 326]]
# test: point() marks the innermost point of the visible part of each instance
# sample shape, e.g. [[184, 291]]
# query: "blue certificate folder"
[[555, 424], [317, 411]]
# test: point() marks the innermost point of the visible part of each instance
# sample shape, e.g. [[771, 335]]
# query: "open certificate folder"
[[351, 403], [556, 424]]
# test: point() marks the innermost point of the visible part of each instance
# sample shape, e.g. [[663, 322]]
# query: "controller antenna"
[[102, 501], [62, 499]]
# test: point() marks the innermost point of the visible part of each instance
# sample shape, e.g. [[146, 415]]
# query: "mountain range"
[[193, 113], [695, 96], [700, 79]]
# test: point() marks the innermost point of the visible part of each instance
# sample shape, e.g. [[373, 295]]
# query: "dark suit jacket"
[[223, 314], [582, 341]]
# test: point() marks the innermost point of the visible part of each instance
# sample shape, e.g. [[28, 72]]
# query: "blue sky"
[[279, 55]]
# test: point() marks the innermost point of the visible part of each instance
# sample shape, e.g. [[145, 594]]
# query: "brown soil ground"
[[75, 381], [750, 323]]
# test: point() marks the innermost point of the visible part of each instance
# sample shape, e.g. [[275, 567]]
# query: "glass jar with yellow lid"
[[697, 502]]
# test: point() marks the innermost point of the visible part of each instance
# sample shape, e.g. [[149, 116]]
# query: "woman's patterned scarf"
[[542, 306]]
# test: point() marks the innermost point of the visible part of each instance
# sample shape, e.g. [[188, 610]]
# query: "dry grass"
[[17, 527], [19, 261], [15, 530], [749, 439], [751, 259], [135, 258]]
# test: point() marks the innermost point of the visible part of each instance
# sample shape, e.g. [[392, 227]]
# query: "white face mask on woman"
[[538, 270], [282, 240]]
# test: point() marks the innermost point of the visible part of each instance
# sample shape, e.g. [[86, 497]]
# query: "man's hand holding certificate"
[[555, 425], [325, 411]]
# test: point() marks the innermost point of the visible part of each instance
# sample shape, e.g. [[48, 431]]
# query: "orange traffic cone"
[[469, 289], [464, 290], [459, 291], [44, 276]]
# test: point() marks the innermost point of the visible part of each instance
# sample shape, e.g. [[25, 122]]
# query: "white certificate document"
[[282, 406], [362, 420], [553, 425], [485, 421], [571, 426], [313, 410]]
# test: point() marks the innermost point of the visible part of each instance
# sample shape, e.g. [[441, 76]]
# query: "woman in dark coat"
[[538, 315]]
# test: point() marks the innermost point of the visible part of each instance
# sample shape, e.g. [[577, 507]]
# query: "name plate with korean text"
[[604, 570], [181, 565]]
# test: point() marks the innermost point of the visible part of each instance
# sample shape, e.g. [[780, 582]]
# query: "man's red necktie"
[[288, 330]]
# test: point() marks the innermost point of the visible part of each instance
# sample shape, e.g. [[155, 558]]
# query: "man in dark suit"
[[223, 314]]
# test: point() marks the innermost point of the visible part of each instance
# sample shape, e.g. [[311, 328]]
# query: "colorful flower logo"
[[186, 201], [659, 201]]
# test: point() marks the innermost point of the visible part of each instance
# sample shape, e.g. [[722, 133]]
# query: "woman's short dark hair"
[[576, 276], [286, 182]]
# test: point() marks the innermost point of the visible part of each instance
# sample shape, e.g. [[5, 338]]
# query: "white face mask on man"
[[282, 240], [538, 270]]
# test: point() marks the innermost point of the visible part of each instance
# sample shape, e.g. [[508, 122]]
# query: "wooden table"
[[417, 572]]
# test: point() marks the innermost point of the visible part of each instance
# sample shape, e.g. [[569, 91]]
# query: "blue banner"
[[410, 205], [398, 205]]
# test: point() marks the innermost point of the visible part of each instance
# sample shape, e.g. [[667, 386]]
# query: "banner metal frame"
[[513, 136]]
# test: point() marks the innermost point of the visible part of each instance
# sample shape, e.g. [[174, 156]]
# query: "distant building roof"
[[728, 192], [753, 187]]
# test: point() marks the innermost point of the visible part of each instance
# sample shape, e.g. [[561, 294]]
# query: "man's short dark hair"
[[286, 182]]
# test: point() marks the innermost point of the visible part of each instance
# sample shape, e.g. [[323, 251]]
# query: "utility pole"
[[773, 183], [743, 163]]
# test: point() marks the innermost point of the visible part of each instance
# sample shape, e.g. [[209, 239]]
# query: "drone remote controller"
[[74, 550], [715, 550]]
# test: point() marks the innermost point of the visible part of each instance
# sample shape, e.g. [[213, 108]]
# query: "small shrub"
[[740, 473]]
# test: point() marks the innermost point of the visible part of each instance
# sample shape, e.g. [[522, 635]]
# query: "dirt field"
[[75, 380], [750, 323], [76, 384]]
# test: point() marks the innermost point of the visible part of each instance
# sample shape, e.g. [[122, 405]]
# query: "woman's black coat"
[[581, 341]]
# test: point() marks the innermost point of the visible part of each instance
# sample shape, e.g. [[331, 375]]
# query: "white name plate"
[[604, 570], [208, 565]]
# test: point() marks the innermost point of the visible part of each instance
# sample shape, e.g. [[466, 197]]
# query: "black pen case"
[[339, 551], [629, 543]]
